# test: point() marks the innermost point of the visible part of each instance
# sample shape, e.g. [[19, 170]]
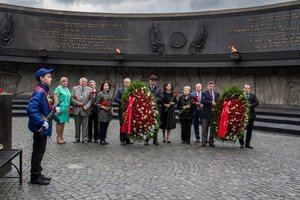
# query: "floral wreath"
[[140, 112], [230, 116]]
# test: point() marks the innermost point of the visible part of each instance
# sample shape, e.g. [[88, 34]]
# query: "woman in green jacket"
[[104, 105]]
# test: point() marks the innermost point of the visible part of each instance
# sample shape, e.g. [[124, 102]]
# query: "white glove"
[[57, 109], [46, 125]]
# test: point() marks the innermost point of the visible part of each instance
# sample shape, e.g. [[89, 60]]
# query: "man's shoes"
[[155, 143], [96, 141], [182, 142], [130, 143], [212, 145], [76, 141], [45, 178], [242, 146], [89, 141], [249, 147], [102, 142], [85, 142], [187, 142], [39, 181], [106, 143]]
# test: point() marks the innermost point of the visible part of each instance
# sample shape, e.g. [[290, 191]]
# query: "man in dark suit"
[[93, 118], [197, 113], [253, 103], [209, 99], [124, 139], [155, 89]]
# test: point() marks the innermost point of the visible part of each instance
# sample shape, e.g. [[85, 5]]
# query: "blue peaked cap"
[[42, 72]]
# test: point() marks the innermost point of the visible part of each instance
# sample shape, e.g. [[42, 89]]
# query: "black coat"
[[207, 103], [185, 113], [118, 100], [253, 103], [157, 93]]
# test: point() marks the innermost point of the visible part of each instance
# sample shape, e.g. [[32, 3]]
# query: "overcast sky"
[[141, 6]]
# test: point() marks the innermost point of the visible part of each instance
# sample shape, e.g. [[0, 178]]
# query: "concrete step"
[[278, 119], [278, 128]]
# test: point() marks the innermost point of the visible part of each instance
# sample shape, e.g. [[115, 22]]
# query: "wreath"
[[230, 116], [140, 112]]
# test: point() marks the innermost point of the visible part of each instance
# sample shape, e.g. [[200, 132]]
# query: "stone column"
[[6, 126]]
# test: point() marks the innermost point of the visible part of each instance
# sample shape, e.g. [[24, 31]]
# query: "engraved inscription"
[[84, 36], [271, 32]]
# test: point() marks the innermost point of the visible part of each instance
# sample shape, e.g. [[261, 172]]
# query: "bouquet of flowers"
[[105, 103], [141, 116], [230, 116]]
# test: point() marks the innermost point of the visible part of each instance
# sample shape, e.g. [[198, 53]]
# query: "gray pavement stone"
[[168, 171]]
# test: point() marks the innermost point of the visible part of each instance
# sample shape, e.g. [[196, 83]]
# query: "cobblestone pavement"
[[168, 171]]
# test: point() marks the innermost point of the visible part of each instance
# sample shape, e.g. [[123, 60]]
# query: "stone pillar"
[[6, 126]]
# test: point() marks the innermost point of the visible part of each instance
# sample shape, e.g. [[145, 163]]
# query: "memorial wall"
[[259, 45]]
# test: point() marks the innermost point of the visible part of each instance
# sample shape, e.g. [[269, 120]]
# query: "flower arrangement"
[[140, 112], [230, 116]]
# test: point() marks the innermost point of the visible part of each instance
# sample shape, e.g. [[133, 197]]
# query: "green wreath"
[[144, 115], [237, 116]]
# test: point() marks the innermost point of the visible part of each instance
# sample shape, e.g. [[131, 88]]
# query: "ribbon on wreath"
[[224, 119], [126, 126]]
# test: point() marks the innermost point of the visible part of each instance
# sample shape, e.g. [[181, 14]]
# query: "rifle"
[[50, 116]]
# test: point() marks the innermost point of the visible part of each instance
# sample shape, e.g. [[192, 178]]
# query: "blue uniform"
[[37, 105]]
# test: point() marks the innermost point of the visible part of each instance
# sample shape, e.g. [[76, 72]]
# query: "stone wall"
[[272, 85]]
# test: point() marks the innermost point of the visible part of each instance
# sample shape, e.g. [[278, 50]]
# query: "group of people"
[[92, 112]]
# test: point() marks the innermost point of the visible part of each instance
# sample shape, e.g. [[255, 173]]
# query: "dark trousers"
[[103, 130], [186, 125], [197, 120], [123, 137], [38, 150], [93, 123], [248, 133], [205, 126]]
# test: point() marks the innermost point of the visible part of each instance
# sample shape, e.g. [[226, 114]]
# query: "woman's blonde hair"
[[187, 87], [62, 79]]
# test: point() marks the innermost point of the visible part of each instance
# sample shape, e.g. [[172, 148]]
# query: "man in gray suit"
[[82, 102]]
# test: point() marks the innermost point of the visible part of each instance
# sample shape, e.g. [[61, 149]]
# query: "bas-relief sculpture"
[[276, 86], [6, 29], [199, 38], [156, 43]]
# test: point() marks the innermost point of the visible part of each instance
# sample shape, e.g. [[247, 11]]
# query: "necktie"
[[212, 96], [82, 90]]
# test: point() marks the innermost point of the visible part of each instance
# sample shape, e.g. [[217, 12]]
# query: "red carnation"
[[1, 91], [92, 92], [75, 97], [104, 103]]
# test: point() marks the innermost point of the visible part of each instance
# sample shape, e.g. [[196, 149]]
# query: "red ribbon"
[[224, 119], [126, 126]]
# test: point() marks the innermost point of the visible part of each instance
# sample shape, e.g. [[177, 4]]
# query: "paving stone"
[[169, 171]]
